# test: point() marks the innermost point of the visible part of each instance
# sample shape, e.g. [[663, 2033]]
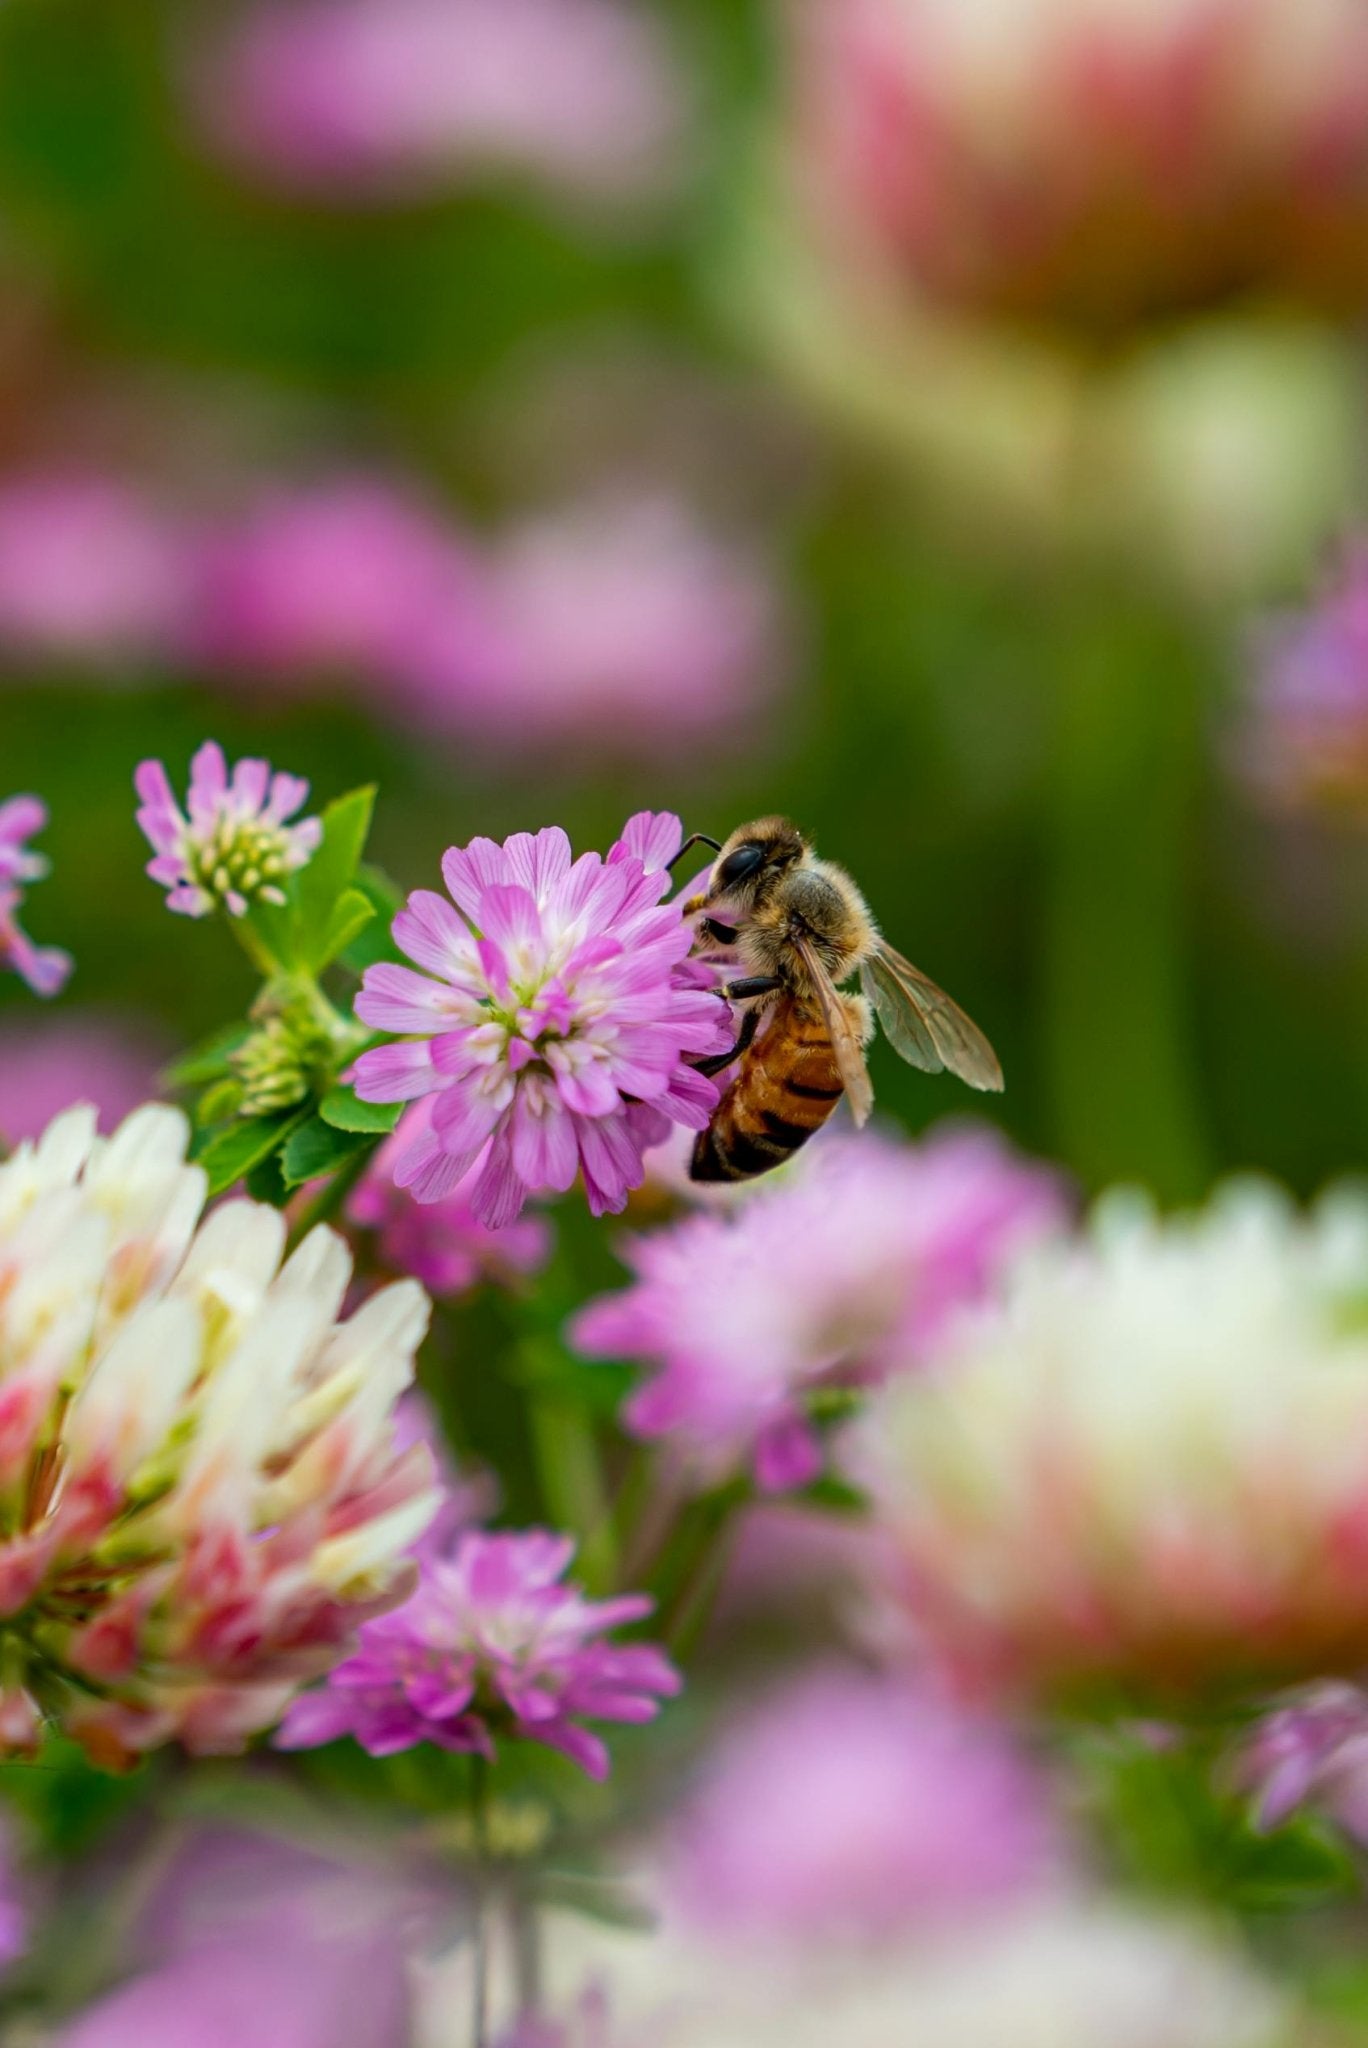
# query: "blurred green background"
[[1024, 756]]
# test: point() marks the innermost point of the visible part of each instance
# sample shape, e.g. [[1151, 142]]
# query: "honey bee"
[[799, 927]]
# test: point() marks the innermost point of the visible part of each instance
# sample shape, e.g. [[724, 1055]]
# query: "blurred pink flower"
[[69, 1058], [235, 847], [44, 968], [621, 626], [89, 571], [250, 1938], [847, 1804], [554, 1035], [390, 98], [1093, 162], [341, 578], [829, 1279], [1304, 740], [1311, 1747], [201, 1491], [492, 1642], [444, 1244]]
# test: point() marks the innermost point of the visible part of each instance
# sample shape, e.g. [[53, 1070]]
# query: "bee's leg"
[[694, 839], [719, 934], [751, 985], [718, 1061]]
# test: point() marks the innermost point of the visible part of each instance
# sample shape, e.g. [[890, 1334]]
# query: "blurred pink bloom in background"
[[341, 578], [393, 98], [551, 1023], [1304, 739], [1094, 161], [841, 1272], [1311, 1748], [233, 844], [493, 1642], [252, 1938], [444, 1244], [90, 571], [845, 1804], [71, 1058], [44, 968], [621, 625]]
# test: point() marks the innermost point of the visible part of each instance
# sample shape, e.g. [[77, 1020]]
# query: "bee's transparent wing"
[[923, 1025], [845, 1040]]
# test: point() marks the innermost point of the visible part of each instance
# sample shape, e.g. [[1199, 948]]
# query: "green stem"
[[255, 947], [565, 1447], [689, 1573], [479, 1820], [1117, 1048]]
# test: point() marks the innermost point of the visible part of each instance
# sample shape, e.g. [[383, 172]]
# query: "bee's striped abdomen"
[[786, 1087]]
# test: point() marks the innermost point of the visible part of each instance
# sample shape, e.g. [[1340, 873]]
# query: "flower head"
[[72, 1057], [44, 968], [200, 1492], [492, 1642], [236, 846], [257, 1937], [622, 626], [89, 571], [1091, 162], [831, 1278], [391, 97], [337, 579], [849, 1803], [551, 1022], [443, 1244], [1311, 1747], [1305, 737], [1146, 1468]]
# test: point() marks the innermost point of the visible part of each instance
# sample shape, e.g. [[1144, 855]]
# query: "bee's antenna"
[[695, 839]]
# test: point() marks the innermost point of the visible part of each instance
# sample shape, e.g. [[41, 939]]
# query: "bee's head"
[[753, 859]]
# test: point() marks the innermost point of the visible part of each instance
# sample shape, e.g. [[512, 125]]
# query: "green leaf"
[[318, 1148], [332, 870], [375, 942], [230, 1153], [345, 1111], [266, 1182], [222, 1100], [208, 1060], [351, 913]]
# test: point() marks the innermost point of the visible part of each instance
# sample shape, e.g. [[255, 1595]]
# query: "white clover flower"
[[1147, 1466], [200, 1490]]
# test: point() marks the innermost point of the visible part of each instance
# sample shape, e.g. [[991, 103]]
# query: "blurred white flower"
[[1086, 264], [1146, 1466]]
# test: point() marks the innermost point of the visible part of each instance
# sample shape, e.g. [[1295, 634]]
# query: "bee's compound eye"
[[739, 866]]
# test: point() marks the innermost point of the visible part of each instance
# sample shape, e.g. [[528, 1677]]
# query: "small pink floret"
[[233, 844], [492, 1642], [44, 968]]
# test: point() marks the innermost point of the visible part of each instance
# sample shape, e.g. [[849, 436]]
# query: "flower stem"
[[691, 1570], [1126, 748], [479, 1820], [571, 1479]]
